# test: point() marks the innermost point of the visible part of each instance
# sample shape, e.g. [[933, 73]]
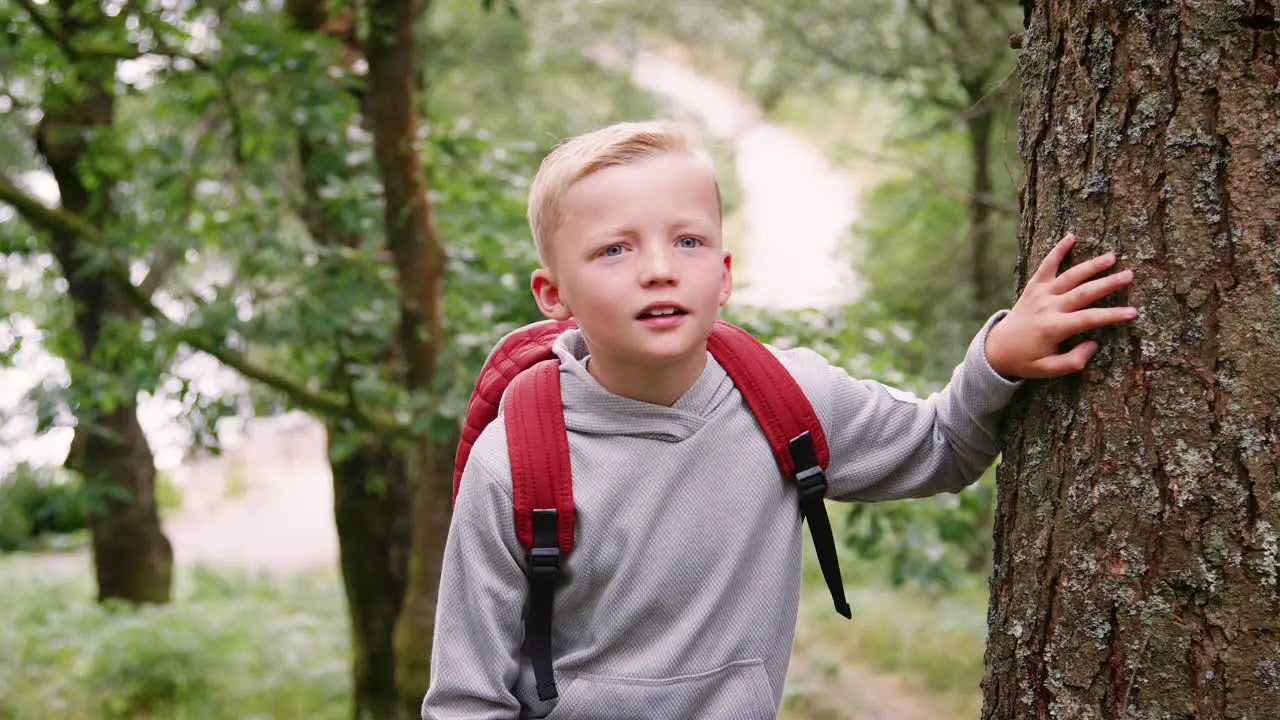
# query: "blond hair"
[[580, 156]]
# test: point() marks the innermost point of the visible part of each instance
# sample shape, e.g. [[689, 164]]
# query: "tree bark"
[[371, 506], [419, 258], [391, 533], [1139, 502], [372, 487], [132, 557], [432, 509]]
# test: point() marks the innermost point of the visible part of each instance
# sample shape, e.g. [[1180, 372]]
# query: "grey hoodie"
[[683, 585]]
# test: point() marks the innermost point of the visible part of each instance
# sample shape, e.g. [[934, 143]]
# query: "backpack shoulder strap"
[[538, 448], [515, 353], [524, 368], [794, 433], [542, 495]]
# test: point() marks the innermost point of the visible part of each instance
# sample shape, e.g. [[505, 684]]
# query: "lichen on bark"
[[1138, 503]]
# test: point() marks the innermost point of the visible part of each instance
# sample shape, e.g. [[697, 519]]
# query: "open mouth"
[[665, 311], [661, 313]]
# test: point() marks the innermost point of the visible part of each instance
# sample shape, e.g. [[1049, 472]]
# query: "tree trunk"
[[371, 503], [372, 497], [419, 259], [1139, 502], [391, 536], [132, 557], [432, 508]]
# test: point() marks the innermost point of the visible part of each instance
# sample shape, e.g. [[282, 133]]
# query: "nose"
[[657, 268]]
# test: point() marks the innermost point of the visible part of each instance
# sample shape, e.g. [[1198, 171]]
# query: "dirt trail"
[[797, 205], [265, 504]]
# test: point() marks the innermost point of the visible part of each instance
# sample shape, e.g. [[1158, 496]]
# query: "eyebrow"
[[614, 233], [702, 226]]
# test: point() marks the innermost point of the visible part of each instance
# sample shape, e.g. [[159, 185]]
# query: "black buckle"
[[544, 562], [544, 558], [812, 483], [809, 477]]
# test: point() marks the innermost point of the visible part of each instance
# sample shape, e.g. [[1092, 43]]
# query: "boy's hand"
[[1052, 308]]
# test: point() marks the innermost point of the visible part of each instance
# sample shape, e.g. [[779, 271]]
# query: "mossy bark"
[[419, 258], [432, 508], [391, 499], [1139, 502], [371, 502]]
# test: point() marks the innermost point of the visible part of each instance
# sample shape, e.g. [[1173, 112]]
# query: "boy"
[[680, 597]]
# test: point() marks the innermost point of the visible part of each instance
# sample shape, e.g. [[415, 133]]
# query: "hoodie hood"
[[591, 409]]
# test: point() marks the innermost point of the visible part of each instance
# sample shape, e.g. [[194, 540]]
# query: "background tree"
[[77, 140], [1135, 559]]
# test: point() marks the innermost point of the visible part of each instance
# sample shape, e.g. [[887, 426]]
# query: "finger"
[[1082, 271], [1092, 318], [1071, 361], [1094, 290], [1049, 266]]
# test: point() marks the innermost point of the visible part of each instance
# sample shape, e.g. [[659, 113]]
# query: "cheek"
[[591, 294]]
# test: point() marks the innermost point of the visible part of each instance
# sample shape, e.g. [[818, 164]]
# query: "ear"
[[726, 279], [547, 294]]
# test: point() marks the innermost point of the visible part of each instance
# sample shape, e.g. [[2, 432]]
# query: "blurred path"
[[797, 206], [265, 504]]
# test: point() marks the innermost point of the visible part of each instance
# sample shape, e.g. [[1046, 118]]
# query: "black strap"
[[812, 484], [544, 575]]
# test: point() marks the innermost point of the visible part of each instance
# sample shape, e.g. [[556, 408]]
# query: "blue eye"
[[690, 242], [612, 251]]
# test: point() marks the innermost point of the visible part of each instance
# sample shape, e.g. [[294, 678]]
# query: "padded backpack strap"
[[542, 494], [794, 433], [514, 354]]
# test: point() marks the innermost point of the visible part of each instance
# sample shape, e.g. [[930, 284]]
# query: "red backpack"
[[524, 367]]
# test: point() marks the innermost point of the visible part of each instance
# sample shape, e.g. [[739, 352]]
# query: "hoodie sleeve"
[[887, 444], [478, 630]]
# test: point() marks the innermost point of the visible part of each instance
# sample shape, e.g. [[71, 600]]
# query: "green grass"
[[934, 642], [935, 645], [234, 646], [231, 646]]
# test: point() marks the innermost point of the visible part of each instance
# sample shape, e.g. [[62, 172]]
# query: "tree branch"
[[40, 215], [132, 52], [924, 14], [804, 38], [64, 222], [165, 260], [46, 26], [963, 113], [802, 35], [224, 83]]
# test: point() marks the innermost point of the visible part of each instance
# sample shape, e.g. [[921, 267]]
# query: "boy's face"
[[639, 261]]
